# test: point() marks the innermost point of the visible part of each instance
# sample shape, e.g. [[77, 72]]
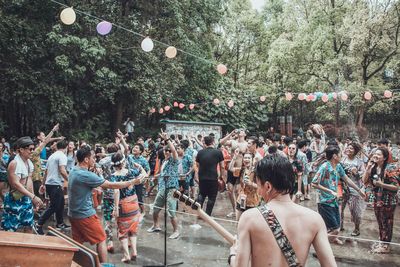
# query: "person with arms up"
[[86, 226], [279, 224]]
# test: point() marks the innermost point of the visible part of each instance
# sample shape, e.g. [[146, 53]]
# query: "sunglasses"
[[292, 148], [30, 148]]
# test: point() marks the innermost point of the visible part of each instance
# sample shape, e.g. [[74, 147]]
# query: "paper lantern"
[[230, 103], [367, 95], [167, 108], [344, 96], [191, 106], [319, 94], [387, 94], [176, 104], [147, 44], [171, 52], [152, 110], [161, 111], [104, 27], [216, 101], [181, 105], [314, 97], [222, 69], [325, 98], [263, 98], [301, 96], [334, 95], [288, 96], [68, 16]]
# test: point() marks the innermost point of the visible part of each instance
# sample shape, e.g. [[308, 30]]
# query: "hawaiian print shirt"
[[328, 178], [187, 163], [139, 160], [128, 191], [169, 169]]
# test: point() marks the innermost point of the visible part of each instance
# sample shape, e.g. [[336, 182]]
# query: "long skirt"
[[129, 216]]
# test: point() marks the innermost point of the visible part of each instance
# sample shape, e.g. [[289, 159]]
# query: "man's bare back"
[[302, 226]]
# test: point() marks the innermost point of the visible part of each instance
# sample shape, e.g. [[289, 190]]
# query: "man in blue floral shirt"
[[136, 157], [326, 181], [168, 180]]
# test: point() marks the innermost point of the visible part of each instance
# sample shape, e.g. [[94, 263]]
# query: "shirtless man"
[[302, 226], [236, 163]]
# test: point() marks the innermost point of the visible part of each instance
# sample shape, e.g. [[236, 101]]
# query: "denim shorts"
[[330, 215]]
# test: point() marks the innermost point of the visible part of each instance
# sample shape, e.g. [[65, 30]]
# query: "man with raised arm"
[[296, 227]]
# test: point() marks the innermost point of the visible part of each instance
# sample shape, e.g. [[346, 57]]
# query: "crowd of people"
[[263, 172]]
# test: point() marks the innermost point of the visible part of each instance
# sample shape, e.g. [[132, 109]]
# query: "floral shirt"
[[128, 191], [328, 177], [139, 160], [348, 165], [187, 163], [169, 170], [380, 196]]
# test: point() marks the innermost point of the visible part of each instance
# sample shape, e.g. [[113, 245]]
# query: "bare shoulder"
[[309, 215]]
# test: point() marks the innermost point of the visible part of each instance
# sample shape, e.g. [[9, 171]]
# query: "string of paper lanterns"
[[312, 97], [68, 17]]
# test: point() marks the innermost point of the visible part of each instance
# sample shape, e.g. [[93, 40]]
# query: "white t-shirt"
[[54, 176]]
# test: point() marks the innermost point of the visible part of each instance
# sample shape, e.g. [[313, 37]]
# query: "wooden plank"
[[19, 249]]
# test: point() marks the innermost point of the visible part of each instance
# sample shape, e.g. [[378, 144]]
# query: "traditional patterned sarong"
[[17, 213], [129, 215]]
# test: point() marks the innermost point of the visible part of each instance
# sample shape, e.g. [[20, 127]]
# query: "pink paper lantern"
[[263, 98], [152, 110], [230, 103], [167, 108], [216, 101], [181, 105], [310, 97], [288, 96], [344, 97], [325, 98], [301, 96], [161, 111], [387, 94], [367, 95], [176, 104], [334, 95], [191, 106], [222, 69]]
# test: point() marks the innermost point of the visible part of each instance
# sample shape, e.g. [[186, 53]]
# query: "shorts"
[[191, 181], [88, 230], [159, 202], [184, 185], [232, 179], [330, 215], [140, 192]]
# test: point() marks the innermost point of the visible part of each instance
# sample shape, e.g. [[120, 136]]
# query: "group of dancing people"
[[120, 175]]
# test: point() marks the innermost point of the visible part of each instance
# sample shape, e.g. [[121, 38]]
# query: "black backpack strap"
[[280, 237]]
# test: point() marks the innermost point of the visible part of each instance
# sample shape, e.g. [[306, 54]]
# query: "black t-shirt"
[[208, 160]]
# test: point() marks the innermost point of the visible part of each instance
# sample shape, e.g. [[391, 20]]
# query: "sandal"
[[133, 257], [355, 233], [124, 260]]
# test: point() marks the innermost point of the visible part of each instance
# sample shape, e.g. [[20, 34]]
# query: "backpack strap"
[[280, 236]]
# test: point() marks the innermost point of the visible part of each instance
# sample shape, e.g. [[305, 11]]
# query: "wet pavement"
[[205, 247]]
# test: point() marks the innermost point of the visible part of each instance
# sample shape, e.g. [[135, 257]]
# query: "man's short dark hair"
[[185, 144], [287, 140], [383, 141], [332, 142], [208, 140], [112, 148], [272, 150], [254, 140], [62, 144], [172, 137], [83, 152], [330, 151], [141, 147], [278, 171], [302, 144]]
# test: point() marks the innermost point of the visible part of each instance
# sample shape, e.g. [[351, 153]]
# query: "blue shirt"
[[187, 163], [169, 170], [139, 160], [80, 185], [328, 178], [128, 191]]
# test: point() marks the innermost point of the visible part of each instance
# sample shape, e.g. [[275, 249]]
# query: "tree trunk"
[[118, 116]]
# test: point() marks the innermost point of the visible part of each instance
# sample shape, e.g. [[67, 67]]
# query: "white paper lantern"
[[147, 44], [68, 16]]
